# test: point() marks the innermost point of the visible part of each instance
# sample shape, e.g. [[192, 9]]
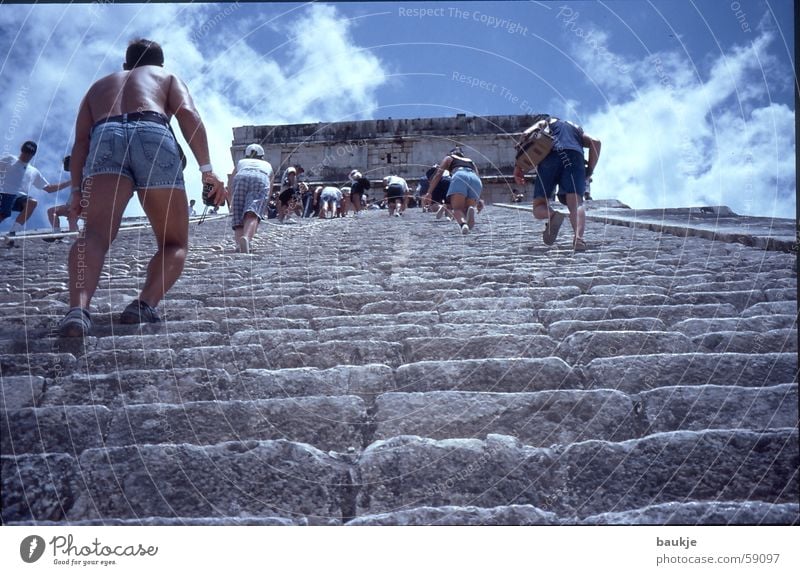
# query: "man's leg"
[[52, 217], [103, 201], [577, 215], [27, 212], [458, 204], [250, 225], [166, 210]]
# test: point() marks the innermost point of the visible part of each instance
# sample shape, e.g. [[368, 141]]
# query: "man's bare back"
[[143, 88]]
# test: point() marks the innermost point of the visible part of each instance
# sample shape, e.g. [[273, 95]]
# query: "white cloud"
[[313, 70], [674, 135]]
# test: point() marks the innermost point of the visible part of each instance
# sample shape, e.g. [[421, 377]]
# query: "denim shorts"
[[466, 183], [143, 151], [564, 169], [330, 197]]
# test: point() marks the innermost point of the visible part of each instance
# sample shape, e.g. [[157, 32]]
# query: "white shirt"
[[16, 178], [397, 180], [254, 164]]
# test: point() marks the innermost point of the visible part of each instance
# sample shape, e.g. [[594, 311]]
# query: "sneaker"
[[471, 216], [464, 229], [139, 312], [9, 240], [77, 323], [244, 245], [440, 212], [551, 228], [397, 214]]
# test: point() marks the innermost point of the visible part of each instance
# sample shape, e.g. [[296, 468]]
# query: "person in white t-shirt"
[[252, 183], [16, 178]]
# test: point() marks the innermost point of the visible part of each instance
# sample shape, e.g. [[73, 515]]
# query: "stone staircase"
[[385, 370]]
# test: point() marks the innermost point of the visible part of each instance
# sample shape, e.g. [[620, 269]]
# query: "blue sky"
[[692, 99]]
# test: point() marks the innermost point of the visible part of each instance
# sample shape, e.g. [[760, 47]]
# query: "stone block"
[[680, 467], [703, 513], [20, 391], [481, 347], [328, 423], [632, 374], [242, 478], [38, 487], [539, 419], [584, 346], [64, 429], [365, 381], [720, 407], [470, 515], [490, 375]]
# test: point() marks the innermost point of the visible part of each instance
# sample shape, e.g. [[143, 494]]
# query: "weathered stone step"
[[584, 346], [470, 515], [38, 487], [333, 353], [609, 300], [243, 478], [485, 304], [561, 329], [703, 513], [759, 323], [632, 374], [125, 387], [538, 419], [405, 318], [463, 330], [234, 325], [125, 359], [66, 429], [780, 340], [669, 314], [719, 407], [395, 333], [173, 340], [327, 423], [495, 346], [581, 479], [772, 307], [175, 522], [512, 375], [271, 338], [503, 316], [367, 382], [41, 364]]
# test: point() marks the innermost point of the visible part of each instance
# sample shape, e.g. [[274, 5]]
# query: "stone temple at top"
[[402, 147]]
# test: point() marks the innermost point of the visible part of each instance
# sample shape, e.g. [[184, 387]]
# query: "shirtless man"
[[123, 142]]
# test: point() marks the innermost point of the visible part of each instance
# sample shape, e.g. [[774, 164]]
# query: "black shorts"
[[395, 192], [12, 203]]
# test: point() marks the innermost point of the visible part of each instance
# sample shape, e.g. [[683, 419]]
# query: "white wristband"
[[206, 168]]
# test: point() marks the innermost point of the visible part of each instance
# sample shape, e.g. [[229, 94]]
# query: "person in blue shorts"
[[465, 188], [123, 142], [564, 168]]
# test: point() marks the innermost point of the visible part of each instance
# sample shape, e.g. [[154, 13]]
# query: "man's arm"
[[180, 103], [50, 188], [594, 152]]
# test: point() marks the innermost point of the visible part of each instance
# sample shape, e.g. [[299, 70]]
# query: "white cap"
[[355, 175], [254, 150]]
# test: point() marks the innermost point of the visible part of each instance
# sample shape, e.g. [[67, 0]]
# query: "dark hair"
[[142, 52], [29, 147], [457, 150]]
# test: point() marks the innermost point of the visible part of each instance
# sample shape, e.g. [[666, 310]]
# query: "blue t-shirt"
[[568, 136]]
